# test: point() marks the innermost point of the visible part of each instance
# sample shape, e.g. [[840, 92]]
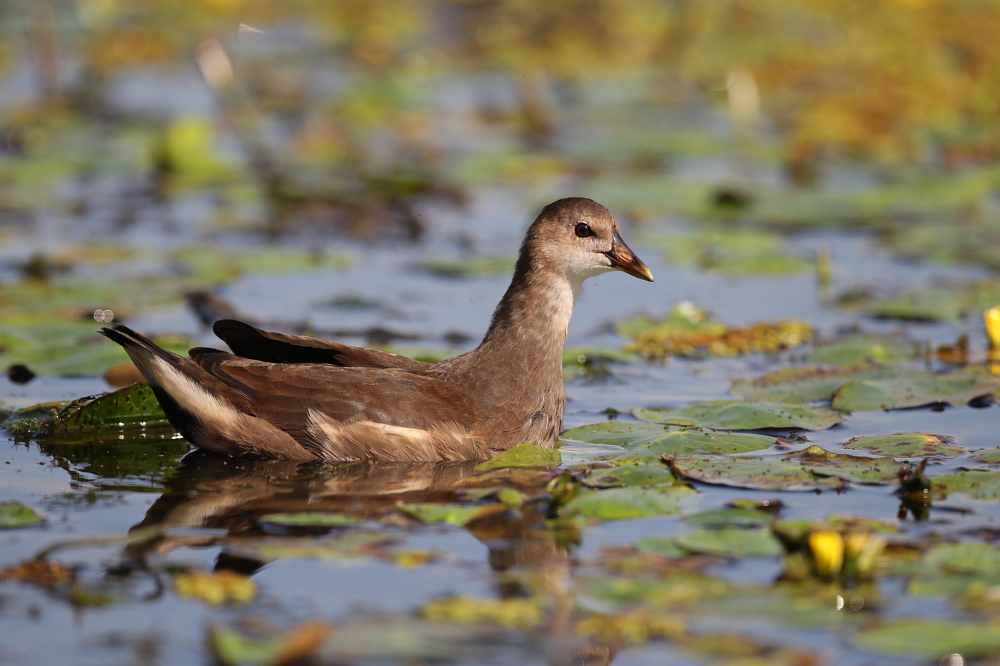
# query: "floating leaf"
[[907, 445], [928, 305], [736, 415], [859, 469], [631, 502], [991, 457], [232, 647], [863, 349], [133, 407], [924, 637], [736, 252], [806, 384], [217, 587], [731, 518], [731, 542], [868, 387], [15, 514], [654, 440], [630, 474], [914, 389], [715, 339], [513, 613], [522, 455], [310, 519], [457, 268], [771, 473], [978, 484], [453, 514]]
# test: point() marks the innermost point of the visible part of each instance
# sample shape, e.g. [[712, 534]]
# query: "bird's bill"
[[624, 259]]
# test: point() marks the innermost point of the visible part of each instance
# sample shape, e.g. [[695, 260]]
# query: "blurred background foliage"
[[349, 111]]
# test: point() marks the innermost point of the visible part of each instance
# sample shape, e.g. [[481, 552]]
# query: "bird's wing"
[[254, 343], [349, 413]]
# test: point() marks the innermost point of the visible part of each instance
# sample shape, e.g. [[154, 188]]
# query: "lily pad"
[[859, 469], [522, 455], [738, 517], [978, 484], [453, 514], [630, 474], [924, 637], [770, 473], [631, 502], [907, 445], [731, 542], [737, 415], [806, 384], [863, 349], [654, 440], [310, 519], [915, 388], [15, 514], [868, 387], [736, 252], [990, 457], [134, 407]]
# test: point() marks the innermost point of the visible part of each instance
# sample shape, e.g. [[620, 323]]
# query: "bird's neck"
[[530, 324]]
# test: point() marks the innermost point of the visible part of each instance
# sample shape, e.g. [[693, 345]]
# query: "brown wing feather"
[[283, 393], [260, 345]]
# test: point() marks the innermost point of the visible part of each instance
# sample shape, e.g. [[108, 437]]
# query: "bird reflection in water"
[[214, 501]]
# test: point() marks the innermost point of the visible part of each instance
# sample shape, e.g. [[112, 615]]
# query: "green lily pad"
[[914, 389], [736, 252], [457, 268], [868, 387], [863, 349], [928, 305], [522, 455], [731, 518], [134, 407], [654, 440], [630, 474], [990, 457], [737, 415], [663, 546], [15, 514], [630, 502], [976, 559], [907, 445], [453, 514], [806, 384], [770, 473], [924, 637], [731, 542], [208, 265], [859, 469], [310, 519], [980, 485]]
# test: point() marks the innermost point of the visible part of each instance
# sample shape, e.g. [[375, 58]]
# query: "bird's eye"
[[583, 230]]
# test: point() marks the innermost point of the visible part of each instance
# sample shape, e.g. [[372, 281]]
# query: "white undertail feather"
[[360, 439]]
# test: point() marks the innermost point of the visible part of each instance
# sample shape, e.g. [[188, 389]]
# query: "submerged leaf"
[[907, 445], [737, 415], [663, 339]]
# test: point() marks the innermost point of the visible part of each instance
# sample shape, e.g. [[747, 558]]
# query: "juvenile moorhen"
[[293, 397]]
